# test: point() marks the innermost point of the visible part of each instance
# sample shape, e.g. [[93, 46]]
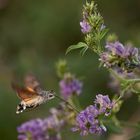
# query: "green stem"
[[120, 97], [135, 91], [133, 80], [122, 93]]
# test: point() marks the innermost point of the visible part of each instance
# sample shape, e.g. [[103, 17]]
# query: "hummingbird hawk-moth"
[[31, 95]]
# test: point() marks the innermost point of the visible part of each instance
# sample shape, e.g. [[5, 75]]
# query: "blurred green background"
[[34, 34]]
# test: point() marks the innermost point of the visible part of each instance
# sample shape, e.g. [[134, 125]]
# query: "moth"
[[31, 95]]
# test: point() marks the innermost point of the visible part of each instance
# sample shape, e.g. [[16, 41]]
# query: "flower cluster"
[[41, 129], [89, 120], [93, 28], [34, 129], [119, 56], [92, 19], [69, 85]]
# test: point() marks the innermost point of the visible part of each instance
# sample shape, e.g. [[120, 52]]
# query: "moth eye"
[[51, 95]]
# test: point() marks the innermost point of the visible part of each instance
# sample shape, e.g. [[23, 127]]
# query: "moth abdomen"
[[20, 108]]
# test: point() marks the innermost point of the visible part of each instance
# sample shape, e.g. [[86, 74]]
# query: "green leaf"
[[82, 52], [103, 33], [78, 46]]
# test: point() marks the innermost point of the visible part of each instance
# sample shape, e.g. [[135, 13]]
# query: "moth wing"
[[23, 93], [31, 83]]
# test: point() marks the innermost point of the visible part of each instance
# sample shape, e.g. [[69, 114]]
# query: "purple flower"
[[105, 104], [85, 27], [39, 129], [70, 85], [123, 51], [119, 56], [87, 120], [105, 59], [131, 51], [116, 48], [33, 129], [22, 137]]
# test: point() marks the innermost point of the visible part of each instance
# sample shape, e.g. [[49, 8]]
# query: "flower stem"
[[122, 93], [133, 80], [116, 75]]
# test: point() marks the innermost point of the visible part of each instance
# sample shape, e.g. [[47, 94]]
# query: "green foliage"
[[114, 128], [78, 46]]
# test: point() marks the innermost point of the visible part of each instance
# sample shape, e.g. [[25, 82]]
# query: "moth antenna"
[[60, 98]]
